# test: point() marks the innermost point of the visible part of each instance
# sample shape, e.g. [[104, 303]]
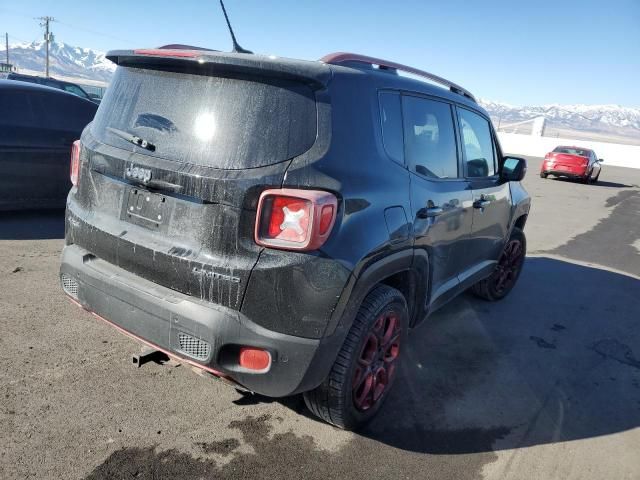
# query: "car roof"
[[15, 84], [38, 79], [30, 86], [390, 80]]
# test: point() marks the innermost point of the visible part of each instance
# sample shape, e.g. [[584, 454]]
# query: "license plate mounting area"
[[145, 208]]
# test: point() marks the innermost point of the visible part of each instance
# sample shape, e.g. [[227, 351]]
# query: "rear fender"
[[520, 204], [360, 285]]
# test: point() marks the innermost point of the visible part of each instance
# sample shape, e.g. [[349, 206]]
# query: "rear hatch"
[[174, 162]]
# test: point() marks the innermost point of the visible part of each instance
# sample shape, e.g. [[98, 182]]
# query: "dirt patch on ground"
[[290, 456]]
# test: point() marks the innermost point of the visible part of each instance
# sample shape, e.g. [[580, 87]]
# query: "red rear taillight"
[[292, 219], [75, 162], [254, 359]]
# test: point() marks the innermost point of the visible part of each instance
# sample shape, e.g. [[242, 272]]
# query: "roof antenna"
[[236, 47]]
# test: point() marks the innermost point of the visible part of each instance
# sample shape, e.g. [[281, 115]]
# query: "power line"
[[74, 27], [20, 39], [94, 32]]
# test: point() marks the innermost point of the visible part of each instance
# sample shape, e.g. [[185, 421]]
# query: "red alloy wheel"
[[377, 361], [508, 266]]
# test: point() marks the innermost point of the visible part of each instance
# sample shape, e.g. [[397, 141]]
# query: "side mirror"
[[513, 169], [601, 160]]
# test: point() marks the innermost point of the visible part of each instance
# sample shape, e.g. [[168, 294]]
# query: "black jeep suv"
[[282, 224]]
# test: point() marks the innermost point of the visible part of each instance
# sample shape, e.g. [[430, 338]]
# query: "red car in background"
[[572, 162]]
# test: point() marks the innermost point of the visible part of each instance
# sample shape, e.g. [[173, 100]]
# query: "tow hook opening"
[[149, 355]]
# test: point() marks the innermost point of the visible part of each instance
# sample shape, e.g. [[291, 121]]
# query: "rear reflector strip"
[[159, 52]]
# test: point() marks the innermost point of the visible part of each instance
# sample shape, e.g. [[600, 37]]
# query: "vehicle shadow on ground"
[[553, 362], [599, 183], [32, 225], [604, 183]]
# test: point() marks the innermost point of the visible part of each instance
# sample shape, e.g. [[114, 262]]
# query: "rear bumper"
[[206, 335], [578, 172]]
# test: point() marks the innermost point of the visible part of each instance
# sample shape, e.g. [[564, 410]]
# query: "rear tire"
[[366, 366], [507, 271], [544, 175]]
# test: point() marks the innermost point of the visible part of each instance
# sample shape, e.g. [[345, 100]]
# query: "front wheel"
[[506, 273], [543, 175], [366, 366]]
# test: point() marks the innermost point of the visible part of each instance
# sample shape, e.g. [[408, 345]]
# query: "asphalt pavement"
[[543, 385]]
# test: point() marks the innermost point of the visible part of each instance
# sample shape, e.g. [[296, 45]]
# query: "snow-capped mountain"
[[84, 63], [64, 60], [596, 118]]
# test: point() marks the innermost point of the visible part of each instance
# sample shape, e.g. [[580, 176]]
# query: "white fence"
[[611, 153]]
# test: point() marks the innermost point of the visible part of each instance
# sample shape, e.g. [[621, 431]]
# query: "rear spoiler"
[[211, 62]]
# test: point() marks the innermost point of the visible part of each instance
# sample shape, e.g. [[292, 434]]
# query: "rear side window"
[[430, 141], [477, 143], [217, 122], [391, 120]]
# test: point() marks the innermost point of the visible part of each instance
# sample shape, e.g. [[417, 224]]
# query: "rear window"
[[572, 151], [217, 122]]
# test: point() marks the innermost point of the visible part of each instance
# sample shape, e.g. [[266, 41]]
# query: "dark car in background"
[[55, 83], [576, 163], [37, 128]]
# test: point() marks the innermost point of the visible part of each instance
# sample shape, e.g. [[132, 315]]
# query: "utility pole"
[[48, 37], [6, 44]]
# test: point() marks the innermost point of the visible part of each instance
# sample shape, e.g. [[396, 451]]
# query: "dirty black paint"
[[615, 350], [542, 343]]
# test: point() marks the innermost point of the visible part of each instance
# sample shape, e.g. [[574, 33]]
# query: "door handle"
[[481, 203], [430, 212]]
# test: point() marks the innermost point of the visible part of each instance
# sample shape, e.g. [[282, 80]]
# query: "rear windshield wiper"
[[141, 142]]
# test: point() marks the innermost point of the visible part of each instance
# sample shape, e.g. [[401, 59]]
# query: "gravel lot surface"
[[543, 385]]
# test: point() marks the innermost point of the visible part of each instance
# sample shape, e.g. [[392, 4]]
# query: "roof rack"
[[343, 57]]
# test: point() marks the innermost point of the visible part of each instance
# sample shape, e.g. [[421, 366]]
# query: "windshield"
[[217, 122]]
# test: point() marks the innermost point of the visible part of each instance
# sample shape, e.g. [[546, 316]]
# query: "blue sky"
[[520, 52]]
